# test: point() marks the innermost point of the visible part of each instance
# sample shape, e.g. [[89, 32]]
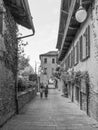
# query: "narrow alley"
[[54, 113]]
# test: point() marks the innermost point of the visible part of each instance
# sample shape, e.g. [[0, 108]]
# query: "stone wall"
[[6, 111], [25, 97], [7, 93], [8, 67], [8, 44]]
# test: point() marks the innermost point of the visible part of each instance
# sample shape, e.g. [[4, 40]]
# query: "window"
[[52, 70], [53, 60], [45, 71], [45, 60], [85, 44]]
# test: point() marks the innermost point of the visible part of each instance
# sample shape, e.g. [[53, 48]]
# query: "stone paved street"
[[54, 113]]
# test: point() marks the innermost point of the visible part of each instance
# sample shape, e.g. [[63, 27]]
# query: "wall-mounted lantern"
[[81, 13]]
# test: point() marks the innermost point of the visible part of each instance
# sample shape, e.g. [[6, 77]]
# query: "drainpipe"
[[16, 82]]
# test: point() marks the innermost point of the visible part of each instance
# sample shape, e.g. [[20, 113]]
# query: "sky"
[[45, 15]]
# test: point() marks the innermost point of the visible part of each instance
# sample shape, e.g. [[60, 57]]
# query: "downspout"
[[16, 82]]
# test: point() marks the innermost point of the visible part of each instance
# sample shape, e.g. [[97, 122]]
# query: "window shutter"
[[73, 55], [1, 22], [77, 47], [68, 61], [84, 45], [66, 65], [81, 48], [71, 58], [88, 42]]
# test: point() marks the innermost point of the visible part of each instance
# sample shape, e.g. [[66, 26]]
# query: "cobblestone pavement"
[[54, 113]]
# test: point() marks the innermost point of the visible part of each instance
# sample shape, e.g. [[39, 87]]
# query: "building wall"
[[50, 68], [7, 64], [90, 64]]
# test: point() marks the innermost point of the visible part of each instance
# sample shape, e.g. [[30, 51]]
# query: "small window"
[[45, 60], [45, 71], [52, 70], [53, 60]]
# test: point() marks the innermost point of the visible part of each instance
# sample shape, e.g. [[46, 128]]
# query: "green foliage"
[[21, 46], [21, 86], [22, 62], [33, 77], [75, 77], [11, 42]]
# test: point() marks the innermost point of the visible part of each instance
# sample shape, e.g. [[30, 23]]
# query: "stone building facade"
[[78, 46], [48, 65], [8, 55]]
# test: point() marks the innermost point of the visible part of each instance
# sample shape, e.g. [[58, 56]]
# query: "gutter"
[[26, 6], [25, 36], [71, 9], [29, 14]]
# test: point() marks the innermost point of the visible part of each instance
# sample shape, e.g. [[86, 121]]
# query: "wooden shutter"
[[81, 48], [73, 55], [1, 22], [71, 58], [76, 54], [77, 47], [88, 42]]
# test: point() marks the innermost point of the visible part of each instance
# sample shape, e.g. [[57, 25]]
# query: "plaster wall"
[[50, 68], [90, 64]]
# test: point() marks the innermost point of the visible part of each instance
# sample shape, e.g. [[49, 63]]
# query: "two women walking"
[[44, 90]]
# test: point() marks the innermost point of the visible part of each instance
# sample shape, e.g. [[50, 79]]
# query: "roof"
[[68, 26], [21, 12], [50, 53]]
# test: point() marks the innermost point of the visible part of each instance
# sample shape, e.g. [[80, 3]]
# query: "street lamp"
[[81, 13]]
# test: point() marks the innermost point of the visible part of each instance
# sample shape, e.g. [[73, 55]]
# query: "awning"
[[21, 12]]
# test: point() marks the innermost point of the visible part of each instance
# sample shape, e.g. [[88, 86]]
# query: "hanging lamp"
[[81, 13]]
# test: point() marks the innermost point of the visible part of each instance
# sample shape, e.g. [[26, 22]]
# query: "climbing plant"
[[10, 41], [76, 77]]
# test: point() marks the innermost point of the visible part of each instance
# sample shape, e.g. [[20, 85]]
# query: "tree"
[[23, 62], [33, 77]]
